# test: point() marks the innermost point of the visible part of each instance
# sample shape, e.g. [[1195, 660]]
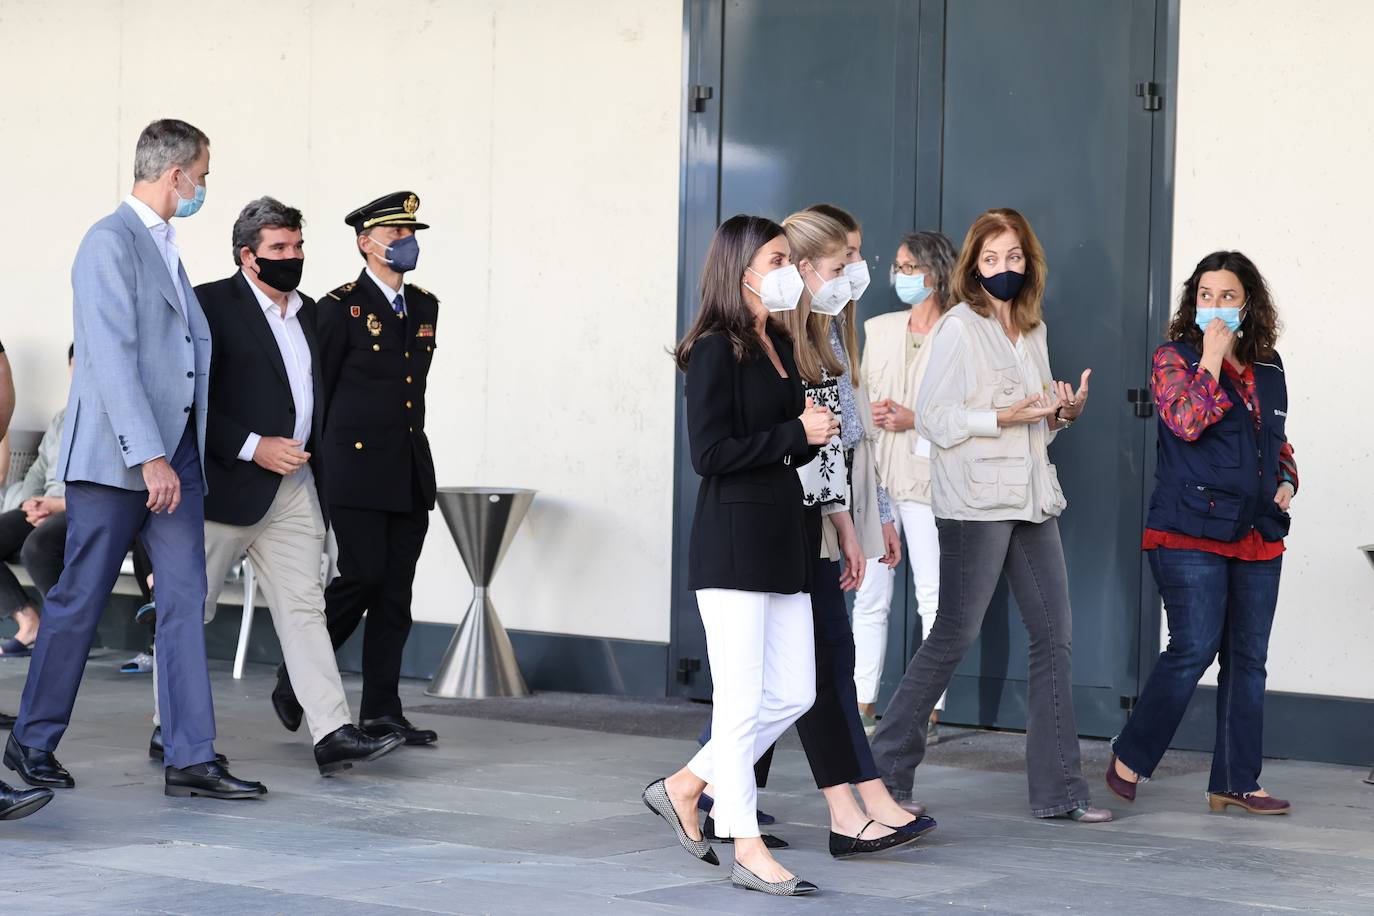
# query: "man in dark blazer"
[[266, 420], [376, 339]]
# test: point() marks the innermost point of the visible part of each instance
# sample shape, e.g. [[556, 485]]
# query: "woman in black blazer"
[[749, 428]]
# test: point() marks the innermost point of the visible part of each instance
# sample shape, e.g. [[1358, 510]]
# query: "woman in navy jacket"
[[1223, 483], [749, 429]]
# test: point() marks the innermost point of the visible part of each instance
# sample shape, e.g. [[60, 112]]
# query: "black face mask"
[[282, 274], [1003, 286]]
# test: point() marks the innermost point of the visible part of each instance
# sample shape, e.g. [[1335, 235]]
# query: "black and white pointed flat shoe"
[[792, 887], [656, 800]]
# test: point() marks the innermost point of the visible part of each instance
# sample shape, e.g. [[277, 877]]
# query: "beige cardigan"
[[983, 472], [903, 457]]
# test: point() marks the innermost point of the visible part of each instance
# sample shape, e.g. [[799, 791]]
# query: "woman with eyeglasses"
[[894, 363]]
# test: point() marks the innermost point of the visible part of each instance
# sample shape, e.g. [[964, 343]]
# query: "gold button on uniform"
[[357, 445], [407, 405], [407, 354], [376, 347], [429, 349], [407, 380]]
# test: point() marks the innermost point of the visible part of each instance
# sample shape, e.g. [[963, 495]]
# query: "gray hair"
[[167, 144], [260, 214], [934, 252]]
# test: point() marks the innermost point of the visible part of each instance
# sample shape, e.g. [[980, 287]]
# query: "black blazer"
[[747, 444], [374, 368], [250, 393]]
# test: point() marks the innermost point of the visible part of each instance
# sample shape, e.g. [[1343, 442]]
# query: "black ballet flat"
[[709, 830], [843, 847]]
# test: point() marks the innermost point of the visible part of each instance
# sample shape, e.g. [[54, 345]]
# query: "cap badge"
[[412, 204]]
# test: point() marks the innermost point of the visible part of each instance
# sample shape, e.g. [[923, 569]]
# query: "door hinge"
[[1143, 401], [1128, 703], [697, 96], [1149, 92], [686, 667]]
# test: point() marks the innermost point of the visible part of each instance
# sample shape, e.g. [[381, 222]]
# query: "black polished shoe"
[[347, 745], [157, 752], [770, 841], [17, 803], [36, 767], [842, 847], [398, 725], [284, 701], [209, 780], [7, 721]]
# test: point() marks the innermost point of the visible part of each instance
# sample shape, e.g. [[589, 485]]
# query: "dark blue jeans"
[[1217, 608]]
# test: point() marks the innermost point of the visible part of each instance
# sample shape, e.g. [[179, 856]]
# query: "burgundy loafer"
[[1247, 801], [1122, 788]]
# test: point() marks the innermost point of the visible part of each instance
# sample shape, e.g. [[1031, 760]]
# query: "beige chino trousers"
[[285, 547]]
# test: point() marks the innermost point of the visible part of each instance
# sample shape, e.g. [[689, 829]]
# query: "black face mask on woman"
[[1003, 286], [282, 274]]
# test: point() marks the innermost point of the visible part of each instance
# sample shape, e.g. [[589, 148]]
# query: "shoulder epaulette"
[[343, 290], [423, 291]]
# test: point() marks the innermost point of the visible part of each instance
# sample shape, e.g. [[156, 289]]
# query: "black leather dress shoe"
[[7, 721], [348, 744], [209, 780], [17, 803], [288, 710], [398, 725], [37, 767], [157, 752]]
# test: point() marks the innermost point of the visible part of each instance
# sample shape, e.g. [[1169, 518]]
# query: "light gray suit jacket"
[[142, 369]]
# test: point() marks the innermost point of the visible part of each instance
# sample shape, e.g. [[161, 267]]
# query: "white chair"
[[250, 590]]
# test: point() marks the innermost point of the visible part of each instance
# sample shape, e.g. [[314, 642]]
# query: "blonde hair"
[[1026, 307], [812, 235]]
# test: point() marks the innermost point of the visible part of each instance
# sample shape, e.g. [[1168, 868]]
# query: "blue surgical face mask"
[[912, 290], [1227, 313], [187, 206], [402, 255]]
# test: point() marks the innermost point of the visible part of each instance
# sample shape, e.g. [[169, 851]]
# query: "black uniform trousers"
[[377, 556]]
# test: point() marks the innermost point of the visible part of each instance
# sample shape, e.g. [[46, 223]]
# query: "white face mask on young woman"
[[833, 295], [858, 278], [780, 290]]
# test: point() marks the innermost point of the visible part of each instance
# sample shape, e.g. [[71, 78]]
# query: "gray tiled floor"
[[515, 818]]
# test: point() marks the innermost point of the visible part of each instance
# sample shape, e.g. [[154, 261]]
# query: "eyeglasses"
[[906, 270]]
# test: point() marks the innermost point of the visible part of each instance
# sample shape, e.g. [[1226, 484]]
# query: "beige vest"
[[905, 471]]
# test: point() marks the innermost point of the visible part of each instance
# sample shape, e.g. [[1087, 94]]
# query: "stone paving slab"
[[527, 818]]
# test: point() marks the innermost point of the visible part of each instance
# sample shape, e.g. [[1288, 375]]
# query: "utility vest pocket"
[[996, 483]]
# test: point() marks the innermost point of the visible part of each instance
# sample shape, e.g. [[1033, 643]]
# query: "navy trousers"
[[102, 523]]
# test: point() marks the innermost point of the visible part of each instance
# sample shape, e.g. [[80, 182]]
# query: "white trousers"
[[873, 602], [763, 668]]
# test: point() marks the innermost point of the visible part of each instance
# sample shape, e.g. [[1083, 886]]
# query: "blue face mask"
[[912, 290], [1228, 313], [402, 255], [187, 206]]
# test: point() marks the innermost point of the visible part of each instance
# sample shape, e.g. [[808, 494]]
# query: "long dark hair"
[[723, 309], [1259, 325]]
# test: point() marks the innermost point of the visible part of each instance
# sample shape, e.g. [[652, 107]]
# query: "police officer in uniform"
[[376, 341]]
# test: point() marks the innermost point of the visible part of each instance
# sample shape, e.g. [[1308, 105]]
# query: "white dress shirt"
[[295, 354], [387, 291], [165, 240]]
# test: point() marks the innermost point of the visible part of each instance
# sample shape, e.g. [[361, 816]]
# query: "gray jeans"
[[973, 557]]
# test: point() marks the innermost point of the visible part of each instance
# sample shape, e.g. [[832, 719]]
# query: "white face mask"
[[858, 278], [833, 295], [780, 290]]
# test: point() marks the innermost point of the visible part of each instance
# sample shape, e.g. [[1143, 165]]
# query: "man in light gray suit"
[[131, 456]]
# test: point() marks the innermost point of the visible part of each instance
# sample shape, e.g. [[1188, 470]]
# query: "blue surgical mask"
[[912, 290], [187, 206], [1227, 313], [402, 255]]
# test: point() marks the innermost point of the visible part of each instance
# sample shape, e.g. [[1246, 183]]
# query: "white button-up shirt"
[[165, 240], [387, 291], [295, 354]]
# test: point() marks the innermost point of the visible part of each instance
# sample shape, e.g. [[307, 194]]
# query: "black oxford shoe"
[[398, 725], [284, 702], [157, 752], [209, 780], [348, 744], [37, 767], [17, 803]]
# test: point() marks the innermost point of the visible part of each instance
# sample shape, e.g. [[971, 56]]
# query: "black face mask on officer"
[[282, 274]]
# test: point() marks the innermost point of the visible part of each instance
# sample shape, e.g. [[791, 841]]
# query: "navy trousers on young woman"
[[1218, 608]]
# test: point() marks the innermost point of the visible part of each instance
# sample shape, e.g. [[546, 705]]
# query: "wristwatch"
[[1064, 422]]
